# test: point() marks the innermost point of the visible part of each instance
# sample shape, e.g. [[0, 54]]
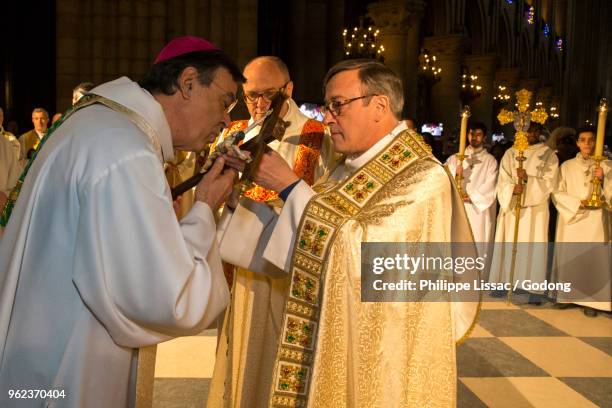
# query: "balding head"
[[269, 63], [265, 76]]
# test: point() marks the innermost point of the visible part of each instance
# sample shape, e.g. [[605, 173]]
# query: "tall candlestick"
[[601, 127], [462, 134]]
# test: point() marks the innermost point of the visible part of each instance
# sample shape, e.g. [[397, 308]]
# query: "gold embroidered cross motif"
[[298, 332], [395, 156], [292, 378], [360, 187], [304, 287], [313, 238]]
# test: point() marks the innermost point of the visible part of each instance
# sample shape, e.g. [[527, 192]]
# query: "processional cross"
[[522, 119]]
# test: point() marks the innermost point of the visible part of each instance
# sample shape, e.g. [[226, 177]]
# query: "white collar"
[[129, 94], [353, 163], [469, 151]]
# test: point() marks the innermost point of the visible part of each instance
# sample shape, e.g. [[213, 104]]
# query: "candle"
[[462, 134], [601, 127]]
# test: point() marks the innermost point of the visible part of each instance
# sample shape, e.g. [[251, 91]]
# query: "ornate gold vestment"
[[335, 350]]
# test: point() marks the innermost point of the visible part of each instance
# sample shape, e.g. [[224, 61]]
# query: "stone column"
[[445, 100], [399, 22], [67, 52], [484, 67]]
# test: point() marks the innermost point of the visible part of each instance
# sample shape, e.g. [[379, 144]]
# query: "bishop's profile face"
[[204, 110]]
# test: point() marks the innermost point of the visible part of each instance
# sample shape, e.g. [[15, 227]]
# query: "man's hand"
[[235, 162], [521, 174], [598, 172], [274, 173], [459, 169], [176, 204], [3, 200], [518, 189], [216, 186]]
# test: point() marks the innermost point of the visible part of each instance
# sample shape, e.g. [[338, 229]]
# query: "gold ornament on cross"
[[522, 118]]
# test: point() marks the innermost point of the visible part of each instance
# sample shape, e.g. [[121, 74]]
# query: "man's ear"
[[186, 81], [289, 89], [381, 104]]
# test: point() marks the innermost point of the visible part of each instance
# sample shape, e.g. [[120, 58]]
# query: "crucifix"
[[522, 118]]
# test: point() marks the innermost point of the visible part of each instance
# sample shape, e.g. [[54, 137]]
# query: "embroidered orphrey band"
[[324, 215]]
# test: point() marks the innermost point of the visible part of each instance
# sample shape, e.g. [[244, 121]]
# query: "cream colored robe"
[[373, 354], [541, 165], [479, 180], [14, 141], [587, 264], [10, 168], [245, 353]]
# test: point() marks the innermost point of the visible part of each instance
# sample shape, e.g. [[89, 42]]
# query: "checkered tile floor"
[[536, 356], [517, 356]]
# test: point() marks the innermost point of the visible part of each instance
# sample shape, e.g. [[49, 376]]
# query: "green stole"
[[324, 215]]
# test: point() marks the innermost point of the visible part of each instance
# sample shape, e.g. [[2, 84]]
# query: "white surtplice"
[[583, 253], [479, 180], [541, 166]]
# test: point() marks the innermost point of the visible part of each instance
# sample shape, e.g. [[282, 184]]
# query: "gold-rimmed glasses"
[[334, 107]]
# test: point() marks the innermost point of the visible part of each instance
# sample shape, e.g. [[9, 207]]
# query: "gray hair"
[[277, 62], [376, 78], [83, 87], [41, 110]]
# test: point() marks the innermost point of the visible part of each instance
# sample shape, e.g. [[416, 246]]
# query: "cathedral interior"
[[449, 53], [557, 49]]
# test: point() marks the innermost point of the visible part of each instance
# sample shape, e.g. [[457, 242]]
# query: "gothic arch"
[[504, 43], [476, 26]]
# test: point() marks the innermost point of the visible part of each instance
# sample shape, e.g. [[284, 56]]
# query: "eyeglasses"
[[333, 107], [228, 106], [252, 97]]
